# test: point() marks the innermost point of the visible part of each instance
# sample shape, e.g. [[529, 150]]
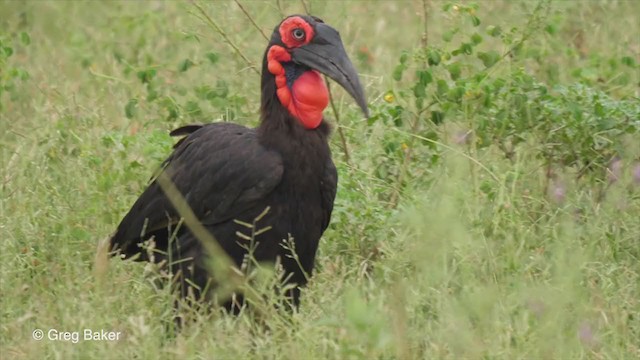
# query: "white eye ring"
[[298, 34]]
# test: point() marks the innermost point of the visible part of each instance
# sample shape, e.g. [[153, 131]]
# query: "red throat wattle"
[[308, 96]]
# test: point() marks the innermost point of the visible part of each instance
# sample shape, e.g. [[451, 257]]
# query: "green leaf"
[[22, 74], [430, 139], [498, 84], [147, 75], [420, 88], [185, 65], [397, 72], [577, 72], [466, 48], [447, 36], [628, 60], [205, 92], [8, 51], [489, 58], [475, 20], [487, 188], [456, 93], [454, 70], [419, 91], [391, 146], [403, 58], [397, 121], [494, 31], [152, 94], [135, 164], [131, 108], [170, 105], [551, 29], [599, 109], [437, 117], [433, 57], [476, 38], [488, 98], [395, 112], [372, 119], [192, 36], [442, 87], [213, 57], [24, 37], [424, 77], [192, 108]]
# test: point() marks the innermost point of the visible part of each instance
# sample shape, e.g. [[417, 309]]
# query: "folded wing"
[[220, 169]]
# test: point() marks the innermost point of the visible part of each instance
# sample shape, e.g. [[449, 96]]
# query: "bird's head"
[[301, 48]]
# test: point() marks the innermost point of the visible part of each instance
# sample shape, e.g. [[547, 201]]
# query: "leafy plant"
[[12, 75], [573, 126]]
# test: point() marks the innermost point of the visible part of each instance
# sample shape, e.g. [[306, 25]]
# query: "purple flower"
[[586, 335], [559, 192], [636, 174], [537, 307], [614, 170], [462, 137]]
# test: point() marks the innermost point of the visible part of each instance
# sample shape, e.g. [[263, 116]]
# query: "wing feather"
[[221, 169], [328, 187]]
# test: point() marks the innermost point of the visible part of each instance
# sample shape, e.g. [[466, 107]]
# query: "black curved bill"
[[325, 53]]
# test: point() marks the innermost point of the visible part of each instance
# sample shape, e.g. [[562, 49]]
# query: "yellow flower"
[[469, 95], [389, 97], [404, 146]]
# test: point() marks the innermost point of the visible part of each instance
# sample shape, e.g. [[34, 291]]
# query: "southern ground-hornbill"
[[229, 174]]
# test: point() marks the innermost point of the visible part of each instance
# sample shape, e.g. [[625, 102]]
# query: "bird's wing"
[[328, 187], [220, 169]]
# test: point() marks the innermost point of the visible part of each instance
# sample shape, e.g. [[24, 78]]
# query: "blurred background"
[[488, 208]]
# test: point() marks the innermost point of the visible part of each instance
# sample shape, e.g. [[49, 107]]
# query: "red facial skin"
[[289, 25], [308, 96]]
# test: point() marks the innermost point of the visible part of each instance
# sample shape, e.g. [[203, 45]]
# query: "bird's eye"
[[298, 34]]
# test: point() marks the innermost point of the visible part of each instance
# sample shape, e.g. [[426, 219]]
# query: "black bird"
[[229, 174]]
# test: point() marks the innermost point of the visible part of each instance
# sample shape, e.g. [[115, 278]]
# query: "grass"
[[468, 255]]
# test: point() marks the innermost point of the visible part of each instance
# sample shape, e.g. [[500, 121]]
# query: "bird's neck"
[[278, 127], [299, 89]]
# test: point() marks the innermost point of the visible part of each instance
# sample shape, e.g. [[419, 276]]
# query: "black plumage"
[[230, 174]]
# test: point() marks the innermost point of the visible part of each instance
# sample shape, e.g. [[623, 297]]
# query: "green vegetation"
[[489, 208]]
